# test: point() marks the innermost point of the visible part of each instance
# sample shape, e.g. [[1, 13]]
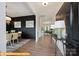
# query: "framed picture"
[[17, 24], [29, 24]]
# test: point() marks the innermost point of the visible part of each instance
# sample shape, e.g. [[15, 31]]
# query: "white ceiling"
[[51, 9], [15, 9]]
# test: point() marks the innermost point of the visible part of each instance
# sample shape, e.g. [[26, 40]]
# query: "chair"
[[6, 32], [12, 31], [14, 37], [19, 34], [9, 38]]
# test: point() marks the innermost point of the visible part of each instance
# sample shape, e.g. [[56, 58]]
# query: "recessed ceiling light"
[[45, 3]]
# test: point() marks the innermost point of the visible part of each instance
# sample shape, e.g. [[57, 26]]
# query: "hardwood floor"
[[44, 47]]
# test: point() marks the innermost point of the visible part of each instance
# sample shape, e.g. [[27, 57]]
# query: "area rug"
[[17, 45]]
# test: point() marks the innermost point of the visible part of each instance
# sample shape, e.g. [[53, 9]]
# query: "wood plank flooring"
[[44, 47]]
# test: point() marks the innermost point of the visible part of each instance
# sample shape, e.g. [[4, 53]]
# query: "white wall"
[[42, 21], [38, 27], [2, 28]]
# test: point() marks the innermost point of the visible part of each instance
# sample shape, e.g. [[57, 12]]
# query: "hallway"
[[44, 47]]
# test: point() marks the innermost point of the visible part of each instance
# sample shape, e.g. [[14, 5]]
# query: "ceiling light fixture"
[[45, 3], [8, 18]]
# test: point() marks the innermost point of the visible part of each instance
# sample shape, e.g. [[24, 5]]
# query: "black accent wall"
[[71, 14], [27, 33], [73, 30]]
